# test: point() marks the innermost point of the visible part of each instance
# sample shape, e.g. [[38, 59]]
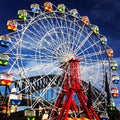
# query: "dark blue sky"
[[104, 13]]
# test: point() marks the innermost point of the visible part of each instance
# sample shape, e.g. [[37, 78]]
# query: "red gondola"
[[5, 78], [48, 6], [115, 92], [109, 52], [11, 25], [85, 20]]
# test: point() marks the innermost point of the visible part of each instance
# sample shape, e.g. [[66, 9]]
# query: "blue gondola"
[[35, 8], [103, 40], [115, 79], [5, 41], [74, 13]]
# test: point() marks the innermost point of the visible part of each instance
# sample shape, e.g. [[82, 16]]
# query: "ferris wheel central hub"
[[67, 57]]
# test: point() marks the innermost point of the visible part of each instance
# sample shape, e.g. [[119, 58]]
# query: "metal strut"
[[71, 85]]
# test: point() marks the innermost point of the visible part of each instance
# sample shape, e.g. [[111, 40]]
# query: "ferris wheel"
[[59, 44]]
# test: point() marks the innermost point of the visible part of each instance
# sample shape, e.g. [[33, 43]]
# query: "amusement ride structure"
[[56, 62]]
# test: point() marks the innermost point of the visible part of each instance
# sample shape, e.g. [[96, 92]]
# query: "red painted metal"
[[72, 84]]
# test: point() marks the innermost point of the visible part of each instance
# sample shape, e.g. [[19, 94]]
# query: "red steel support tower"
[[72, 85]]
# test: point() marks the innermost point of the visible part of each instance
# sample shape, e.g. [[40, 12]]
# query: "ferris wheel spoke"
[[32, 36], [73, 26], [79, 34], [88, 48], [57, 29], [84, 41], [92, 54]]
